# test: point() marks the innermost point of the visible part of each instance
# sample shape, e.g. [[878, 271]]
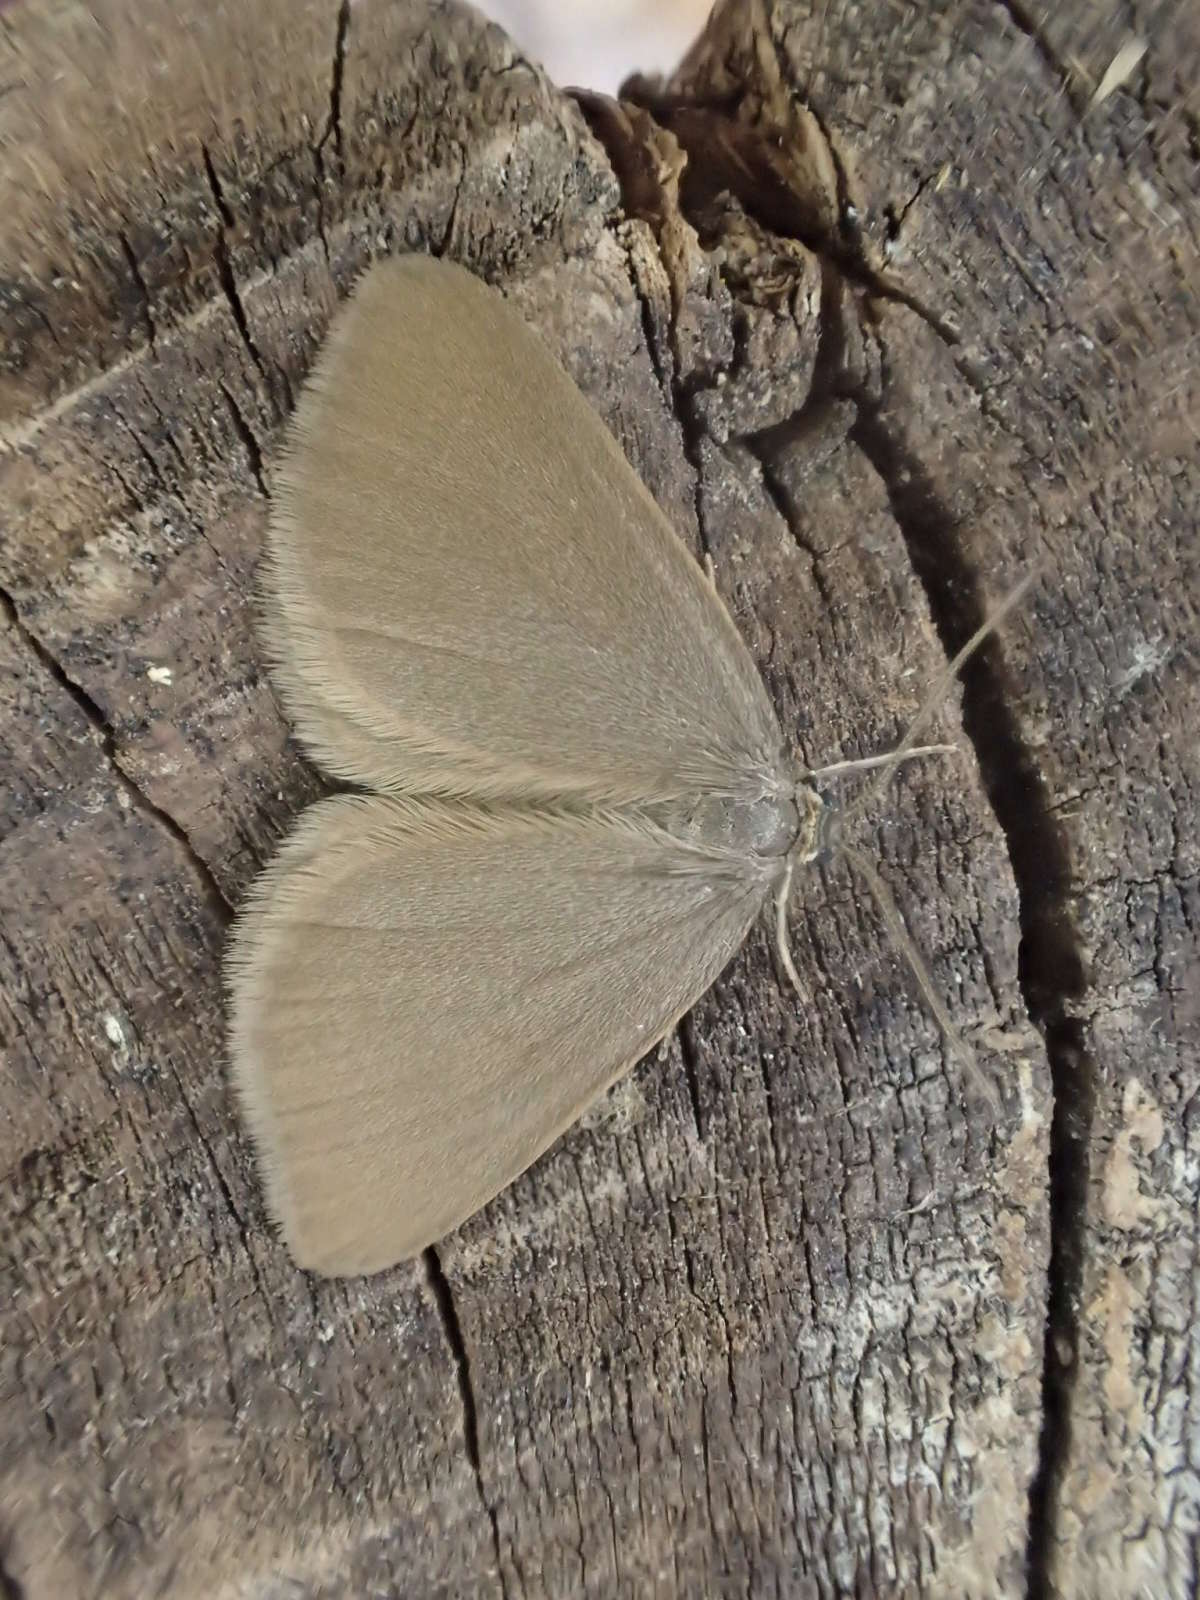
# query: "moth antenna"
[[835, 768], [782, 942], [942, 685], [905, 751], [903, 941]]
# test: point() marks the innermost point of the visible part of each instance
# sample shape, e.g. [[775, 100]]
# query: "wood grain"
[[884, 310]]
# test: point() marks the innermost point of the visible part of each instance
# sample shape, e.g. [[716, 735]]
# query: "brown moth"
[[579, 795]]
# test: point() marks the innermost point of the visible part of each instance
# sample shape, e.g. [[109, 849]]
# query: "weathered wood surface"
[[789, 1314]]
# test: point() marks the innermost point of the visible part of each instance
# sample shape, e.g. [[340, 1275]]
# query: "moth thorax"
[[763, 826]]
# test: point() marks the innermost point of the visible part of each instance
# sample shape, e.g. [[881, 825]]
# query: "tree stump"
[[886, 304]]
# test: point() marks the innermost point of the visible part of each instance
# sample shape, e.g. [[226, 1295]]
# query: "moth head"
[[817, 830]]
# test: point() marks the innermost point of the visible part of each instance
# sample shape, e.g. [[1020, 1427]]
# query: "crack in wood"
[[211, 893], [443, 1299], [1050, 967], [1050, 963], [10, 1588], [1073, 1079], [333, 122], [224, 265], [246, 434], [913, 1511], [690, 1052], [1025, 23], [334, 125], [144, 302]]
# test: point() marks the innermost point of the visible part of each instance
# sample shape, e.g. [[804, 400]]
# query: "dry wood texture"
[[885, 302]]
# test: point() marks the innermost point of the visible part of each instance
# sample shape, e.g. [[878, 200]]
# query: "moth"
[[574, 795]]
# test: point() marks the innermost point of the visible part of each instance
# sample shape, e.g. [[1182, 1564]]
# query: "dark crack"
[[135, 272], [333, 122], [1025, 22], [847, 212], [897, 215], [693, 433], [224, 266], [775, 446], [690, 1051], [443, 1297], [621, 147], [246, 434], [333, 127], [1074, 1083], [1052, 968], [211, 893], [235, 1211], [10, 1589], [218, 193], [783, 503], [662, 377], [1050, 965], [149, 459], [448, 235]]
